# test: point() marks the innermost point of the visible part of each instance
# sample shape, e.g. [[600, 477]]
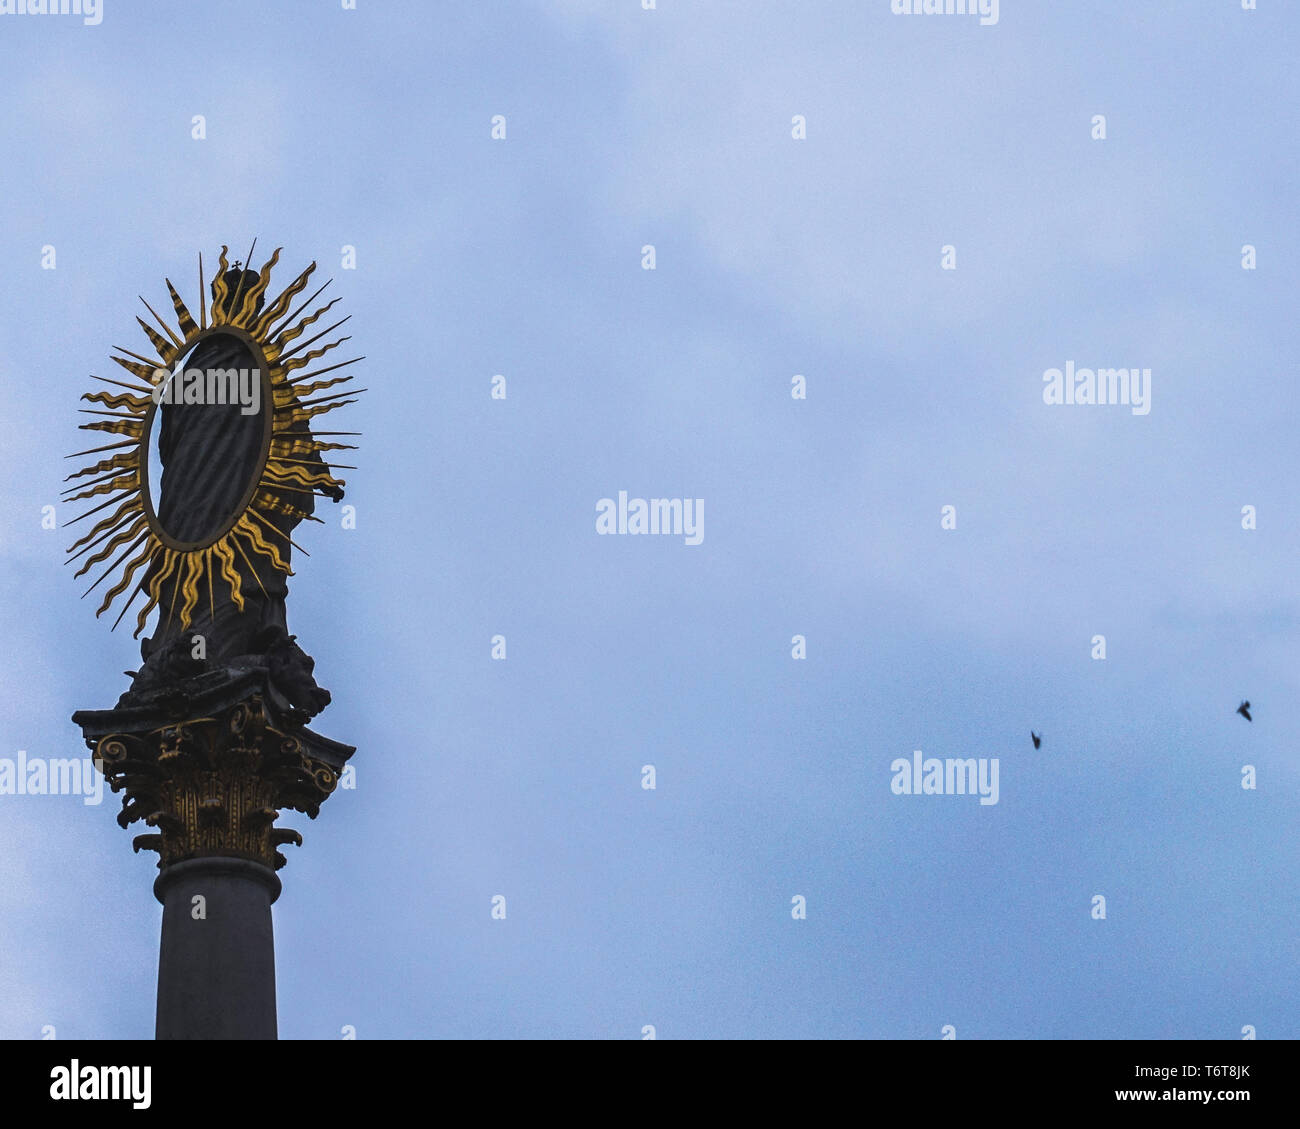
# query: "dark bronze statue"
[[205, 461], [210, 454]]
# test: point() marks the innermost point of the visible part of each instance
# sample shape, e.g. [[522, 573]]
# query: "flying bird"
[[1038, 740], [1244, 710]]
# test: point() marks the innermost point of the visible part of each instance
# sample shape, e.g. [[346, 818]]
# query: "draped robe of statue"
[[210, 453]]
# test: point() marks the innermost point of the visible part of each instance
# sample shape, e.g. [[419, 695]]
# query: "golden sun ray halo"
[[172, 567]]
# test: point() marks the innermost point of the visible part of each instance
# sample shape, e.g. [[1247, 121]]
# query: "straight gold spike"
[[323, 371], [167, 329], [121, 383], [203, 297], [183, 318], [143, 360], [256, 575], [106, 447], [166, 351], [279, 532]]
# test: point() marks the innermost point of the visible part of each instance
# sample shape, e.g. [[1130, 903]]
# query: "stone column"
[[216, 964]]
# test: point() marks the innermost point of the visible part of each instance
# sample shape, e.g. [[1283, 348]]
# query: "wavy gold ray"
[[85, 485], [330, 466], [190, 586], [120, 460], [221, 549], [307, 358], [283, 357], [248, 301], [302, 474], [132, 427], [143, 538], [134, 404], [306, 447], [328, 368], [146, 554], [133, 530], [294, 332], [112, 486], [332, 396], [94, 481], [107, 533], [287, 395], [102, 530], [130, 505], [250, 512], [219, 289], [303, 414], [278, 310], [154, 582], [247, 266], [273, 503], [253, 535]]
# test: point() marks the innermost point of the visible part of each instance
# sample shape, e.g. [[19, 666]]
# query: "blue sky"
[[774, 257]]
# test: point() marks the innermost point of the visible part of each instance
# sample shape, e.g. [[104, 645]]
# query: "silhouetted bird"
[[1036, 738], [1244, 710]]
